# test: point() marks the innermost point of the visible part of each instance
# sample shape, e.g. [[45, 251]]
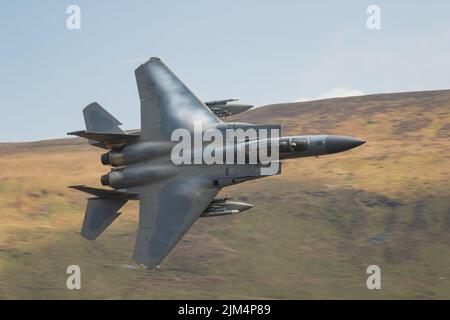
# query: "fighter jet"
[[172, 195]]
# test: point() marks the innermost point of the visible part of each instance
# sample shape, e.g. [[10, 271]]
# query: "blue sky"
[[261, 51]]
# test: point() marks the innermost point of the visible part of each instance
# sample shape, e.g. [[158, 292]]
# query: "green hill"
[[312, 233]]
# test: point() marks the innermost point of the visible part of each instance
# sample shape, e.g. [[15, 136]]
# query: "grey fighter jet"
[[173, 196]]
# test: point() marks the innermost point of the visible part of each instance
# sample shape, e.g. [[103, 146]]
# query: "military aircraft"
[[173, 196]]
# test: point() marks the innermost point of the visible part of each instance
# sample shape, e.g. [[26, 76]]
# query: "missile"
[[228, 107], [222, 207]]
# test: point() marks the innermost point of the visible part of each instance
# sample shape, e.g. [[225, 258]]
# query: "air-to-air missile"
[[228, 107], [223, 207]]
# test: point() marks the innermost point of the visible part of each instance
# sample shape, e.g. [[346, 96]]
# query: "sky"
[[261, 51]]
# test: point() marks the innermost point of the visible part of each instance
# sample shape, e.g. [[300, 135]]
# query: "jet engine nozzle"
[[105, 180], [105, 159], [137, 175], [114, 178], [134, 153]]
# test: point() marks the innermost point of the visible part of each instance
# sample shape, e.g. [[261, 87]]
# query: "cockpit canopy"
[[293, 145]]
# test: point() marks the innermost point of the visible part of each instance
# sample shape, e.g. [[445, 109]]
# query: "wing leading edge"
[[167, 103]]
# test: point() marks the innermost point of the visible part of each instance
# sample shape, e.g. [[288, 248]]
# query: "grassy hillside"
[[312, 233]]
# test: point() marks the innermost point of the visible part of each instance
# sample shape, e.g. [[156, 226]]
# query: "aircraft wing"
[[167, 103], [168, 208], [167, 211]]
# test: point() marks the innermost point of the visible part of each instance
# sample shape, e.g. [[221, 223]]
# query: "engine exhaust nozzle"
[[105, 180], [105, 159]]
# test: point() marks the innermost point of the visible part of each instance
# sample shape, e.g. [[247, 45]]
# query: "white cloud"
[[337, 92]]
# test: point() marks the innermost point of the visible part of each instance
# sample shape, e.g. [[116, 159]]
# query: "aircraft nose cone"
[[336, 144]]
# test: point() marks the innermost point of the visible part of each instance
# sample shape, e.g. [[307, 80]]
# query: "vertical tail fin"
[[97, 119], [102, 129]]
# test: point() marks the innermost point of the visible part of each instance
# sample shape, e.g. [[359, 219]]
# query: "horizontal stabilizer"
[[100, 213], [105, 140], [106, 193]]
